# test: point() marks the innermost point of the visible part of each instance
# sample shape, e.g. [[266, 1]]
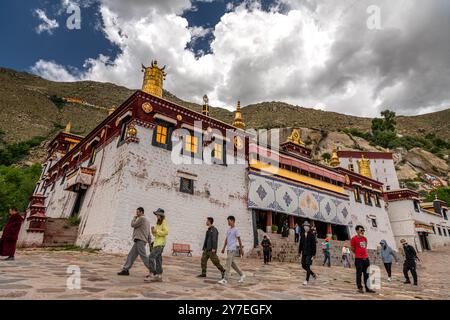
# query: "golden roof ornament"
[[111, 110], [68, 127], [296, 138], [153, 79], [334, 161], [364, 167], [205, 110], [238, 122]]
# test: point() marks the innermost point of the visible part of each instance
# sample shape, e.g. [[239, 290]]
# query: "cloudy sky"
[[350, 56]]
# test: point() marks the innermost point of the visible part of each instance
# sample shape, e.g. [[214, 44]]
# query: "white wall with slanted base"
[[152, 180]]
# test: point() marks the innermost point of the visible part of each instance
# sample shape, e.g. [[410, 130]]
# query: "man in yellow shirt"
[[160, 232]]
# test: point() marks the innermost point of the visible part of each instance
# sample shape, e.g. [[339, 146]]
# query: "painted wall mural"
[[269, 193]]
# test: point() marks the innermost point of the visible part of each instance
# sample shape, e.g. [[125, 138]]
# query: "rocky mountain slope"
[[31, 106]]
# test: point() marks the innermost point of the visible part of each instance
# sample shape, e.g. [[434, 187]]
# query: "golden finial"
[[334, 161], [153, 79], [205, 109], [296, 138], [364, 167], [111, 110], [68, 127], [238, 122]]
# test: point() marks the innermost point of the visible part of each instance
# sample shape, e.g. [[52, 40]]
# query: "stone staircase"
[[286, 250], [59, 232], [283, 249]]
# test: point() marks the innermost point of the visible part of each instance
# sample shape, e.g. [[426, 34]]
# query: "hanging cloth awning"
[[79, 178]]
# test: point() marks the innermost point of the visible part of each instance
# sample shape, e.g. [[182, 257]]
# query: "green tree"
[[16, 187], [442, 193], [326, 156], [389, 120]]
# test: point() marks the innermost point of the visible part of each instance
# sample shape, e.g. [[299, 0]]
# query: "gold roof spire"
[[334, 161], [68, 127], [153, 79], [238, 122], [364, 167], [111, 110], [205, 110], [296, 138]]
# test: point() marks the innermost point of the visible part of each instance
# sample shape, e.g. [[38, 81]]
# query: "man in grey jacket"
[[210, 248], [387, 256], [141, 236]]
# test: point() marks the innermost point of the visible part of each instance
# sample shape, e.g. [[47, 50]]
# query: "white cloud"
[[46, 25], [316, 53], [52, 71]]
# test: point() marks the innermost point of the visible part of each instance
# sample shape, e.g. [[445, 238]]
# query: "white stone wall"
[[402, 222], [360, 215], [403, 218], [383, 170], [151, 181]]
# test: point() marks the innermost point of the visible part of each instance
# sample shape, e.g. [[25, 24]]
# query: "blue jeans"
[[327, 258]]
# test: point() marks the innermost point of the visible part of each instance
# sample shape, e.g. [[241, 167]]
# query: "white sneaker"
[[389, 279], [305, 283], [241, 279], [223, 281]]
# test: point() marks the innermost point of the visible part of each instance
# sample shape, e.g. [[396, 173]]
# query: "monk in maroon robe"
[[10, 234]]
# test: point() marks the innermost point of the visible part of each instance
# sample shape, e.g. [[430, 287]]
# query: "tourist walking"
[[141, 236], [358, 245], [346, 256], [267, 246], [10, 234], [285, 230], [297, 233], [232, 239], [387, 256], [410, 262], [210, 248], [160, 232], [326, 253], [307, 249]]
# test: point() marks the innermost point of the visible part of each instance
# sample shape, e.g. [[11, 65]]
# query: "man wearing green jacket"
[[210, 248]]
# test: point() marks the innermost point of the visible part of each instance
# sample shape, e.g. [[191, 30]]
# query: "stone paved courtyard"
[[41, 274]]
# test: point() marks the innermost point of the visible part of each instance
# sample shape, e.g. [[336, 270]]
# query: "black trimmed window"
[[374, 222], [123, 130], [367, 198], [445, 231], [93, 153], [186, 185], [162, 135], [445, 214], [377, 200], [416, 206], [65, 168], [219, 152], [357, 194], [440, 231], [351, 167], [192, 145]]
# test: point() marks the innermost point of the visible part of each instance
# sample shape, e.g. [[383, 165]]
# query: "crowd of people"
[[306, 236]]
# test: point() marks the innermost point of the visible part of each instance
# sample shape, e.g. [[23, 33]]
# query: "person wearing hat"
[[307, 250], [160, 232], [141, 235]]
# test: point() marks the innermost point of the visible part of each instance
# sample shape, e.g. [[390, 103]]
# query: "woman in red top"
[[358, 245]]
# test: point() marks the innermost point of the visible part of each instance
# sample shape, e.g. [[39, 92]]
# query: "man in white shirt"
[[233, 237]]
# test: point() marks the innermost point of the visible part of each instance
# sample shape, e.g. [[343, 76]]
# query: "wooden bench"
[[181, 248]]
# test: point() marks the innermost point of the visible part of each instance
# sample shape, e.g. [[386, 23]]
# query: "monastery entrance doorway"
[[423, 236], [78, 202]]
